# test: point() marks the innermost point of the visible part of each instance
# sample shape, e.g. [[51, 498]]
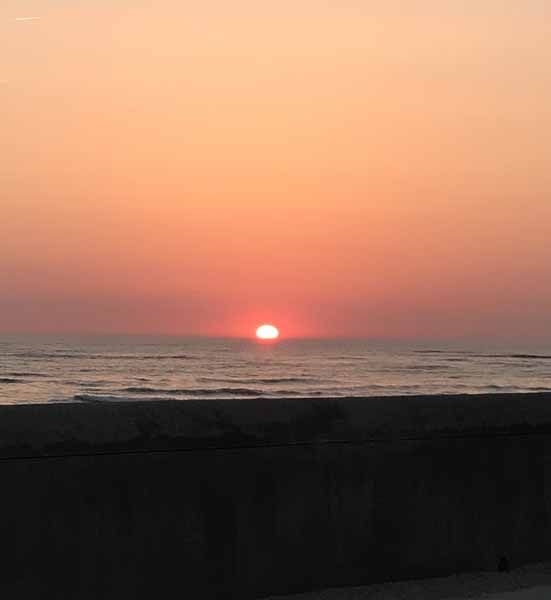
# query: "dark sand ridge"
[[68, 428]]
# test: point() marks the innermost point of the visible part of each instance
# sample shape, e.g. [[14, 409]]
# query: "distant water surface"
[[96, 369]]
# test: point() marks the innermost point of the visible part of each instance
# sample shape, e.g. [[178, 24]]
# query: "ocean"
[[40, 369]]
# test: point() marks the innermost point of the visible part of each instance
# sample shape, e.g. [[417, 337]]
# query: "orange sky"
[[337, 168]]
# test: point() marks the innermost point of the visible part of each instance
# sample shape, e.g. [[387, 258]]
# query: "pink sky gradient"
[[336, 168]]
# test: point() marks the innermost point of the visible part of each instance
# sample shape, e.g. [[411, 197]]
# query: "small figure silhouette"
[[503, 565]]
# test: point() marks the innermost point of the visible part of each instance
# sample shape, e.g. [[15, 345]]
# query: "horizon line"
[[283, 338]]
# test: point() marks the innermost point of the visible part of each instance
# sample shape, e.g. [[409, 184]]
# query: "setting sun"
[[267, 332]]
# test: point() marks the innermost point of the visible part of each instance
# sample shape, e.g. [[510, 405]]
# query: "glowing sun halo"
[[267, 332]]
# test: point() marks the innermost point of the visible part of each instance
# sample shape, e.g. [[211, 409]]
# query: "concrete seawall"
[[245, 498]]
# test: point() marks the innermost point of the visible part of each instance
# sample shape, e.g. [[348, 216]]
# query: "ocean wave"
[[420, 368], [27, 374], [152, 394], [84, 356], [266, 380], [194, 391], [92, 399], [350, 358], [532, 356], [517, 356], [91, 384], [409, 390]]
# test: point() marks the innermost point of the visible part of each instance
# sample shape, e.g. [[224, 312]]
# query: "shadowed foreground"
[[526, 583], [247, 498]]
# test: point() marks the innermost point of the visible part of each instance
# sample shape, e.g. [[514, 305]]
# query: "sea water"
[[38, 369]]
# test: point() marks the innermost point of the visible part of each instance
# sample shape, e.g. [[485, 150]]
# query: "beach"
[[240, 498]]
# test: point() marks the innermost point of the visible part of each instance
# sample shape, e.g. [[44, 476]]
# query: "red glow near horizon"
[[338, 193]]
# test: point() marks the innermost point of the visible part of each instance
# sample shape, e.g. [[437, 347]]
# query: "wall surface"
[[239, 499]]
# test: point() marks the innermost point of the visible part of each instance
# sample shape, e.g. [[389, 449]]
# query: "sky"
[[375, 168]]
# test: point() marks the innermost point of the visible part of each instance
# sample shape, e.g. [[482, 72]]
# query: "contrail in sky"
[[27, 18]]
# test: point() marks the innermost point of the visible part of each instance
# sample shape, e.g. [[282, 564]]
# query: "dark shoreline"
[[158, 425]]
